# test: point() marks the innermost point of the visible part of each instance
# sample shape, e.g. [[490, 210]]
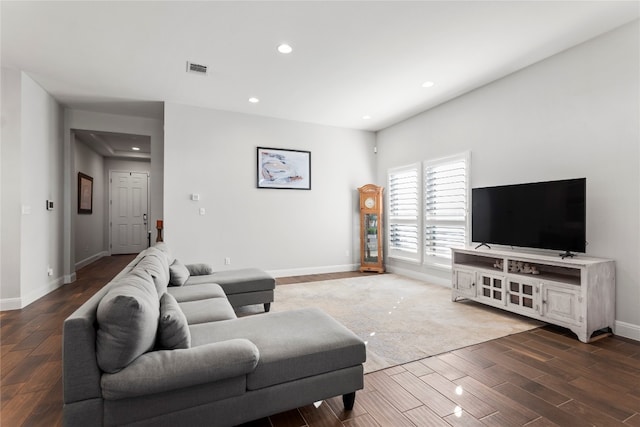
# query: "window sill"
[[404, 259]]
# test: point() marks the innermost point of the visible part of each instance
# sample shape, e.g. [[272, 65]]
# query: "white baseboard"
[[313, 270], [627, 330], [420, 276], [91, 259], [18, 303], [7, 304], [42, 291], [70, 278], [353, 267]]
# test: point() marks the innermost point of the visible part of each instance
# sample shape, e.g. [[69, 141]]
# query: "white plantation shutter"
[[446, 196], [404, 212]]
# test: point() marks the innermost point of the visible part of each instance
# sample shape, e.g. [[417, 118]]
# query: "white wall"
[[11, 189], [90, 242], [575, 114], [32, 174], [213, 153], [86, 120]]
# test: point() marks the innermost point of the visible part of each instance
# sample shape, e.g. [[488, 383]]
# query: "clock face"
[[369, 202]]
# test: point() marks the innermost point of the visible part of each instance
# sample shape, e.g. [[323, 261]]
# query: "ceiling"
[[349, 59], [118, 145]]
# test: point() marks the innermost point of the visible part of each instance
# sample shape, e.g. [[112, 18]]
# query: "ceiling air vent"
[[196, 68]]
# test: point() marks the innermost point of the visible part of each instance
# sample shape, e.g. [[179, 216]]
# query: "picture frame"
[[283, 168], [85, 194]]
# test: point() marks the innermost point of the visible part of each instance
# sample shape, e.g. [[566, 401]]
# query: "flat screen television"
[[544, 215]]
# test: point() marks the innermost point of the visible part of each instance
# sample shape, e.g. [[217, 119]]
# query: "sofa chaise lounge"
[[140, 352]]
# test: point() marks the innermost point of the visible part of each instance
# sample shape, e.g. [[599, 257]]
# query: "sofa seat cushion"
[[196, 292], [238, 281], [292, 344], [207, 310]]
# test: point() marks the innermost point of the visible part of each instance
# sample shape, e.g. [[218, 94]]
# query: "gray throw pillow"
[[173, 330], [199, 269], [127, 321], [178, 273]]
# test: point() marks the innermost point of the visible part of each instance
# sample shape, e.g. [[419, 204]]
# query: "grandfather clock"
[[371, 228]]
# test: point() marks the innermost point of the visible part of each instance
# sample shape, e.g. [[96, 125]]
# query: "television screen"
[[545, 215]]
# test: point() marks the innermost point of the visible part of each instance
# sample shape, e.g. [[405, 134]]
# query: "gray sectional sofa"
[[140, 352]]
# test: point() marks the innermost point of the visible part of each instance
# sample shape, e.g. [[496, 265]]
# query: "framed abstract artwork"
[[284, 169], [85, 194]]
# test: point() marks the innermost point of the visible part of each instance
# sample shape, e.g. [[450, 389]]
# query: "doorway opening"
[[129, 212], [120, 165]]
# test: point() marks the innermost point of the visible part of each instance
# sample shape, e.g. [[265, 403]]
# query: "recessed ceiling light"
[[366, 117], [428, 84], [135, 148], [285, 48], [254, 100]]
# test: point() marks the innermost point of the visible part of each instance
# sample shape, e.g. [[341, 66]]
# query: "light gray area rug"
[[401, 319]]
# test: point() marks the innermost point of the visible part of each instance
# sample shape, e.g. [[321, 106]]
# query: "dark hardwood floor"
[[544, 377]]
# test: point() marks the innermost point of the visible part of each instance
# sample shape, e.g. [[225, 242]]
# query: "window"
[[424, 231], [446, 195], [404, 213]]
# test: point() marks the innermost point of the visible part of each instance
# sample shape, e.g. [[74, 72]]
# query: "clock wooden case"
[[371, 230]]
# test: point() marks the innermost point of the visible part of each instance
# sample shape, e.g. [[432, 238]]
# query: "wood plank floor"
[[544, 377]]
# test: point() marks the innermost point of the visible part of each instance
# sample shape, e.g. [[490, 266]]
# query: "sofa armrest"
[[165, 370]]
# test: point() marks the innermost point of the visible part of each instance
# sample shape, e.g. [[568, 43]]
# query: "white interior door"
[[129, 212]]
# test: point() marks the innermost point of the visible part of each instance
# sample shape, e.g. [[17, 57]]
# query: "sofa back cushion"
[[127, 321], [164, 248], [155, 263]]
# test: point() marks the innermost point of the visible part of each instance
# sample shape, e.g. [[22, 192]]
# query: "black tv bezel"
[[568, 251]]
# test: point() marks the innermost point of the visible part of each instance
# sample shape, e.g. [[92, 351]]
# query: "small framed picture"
[[85, 194], [285, 169]]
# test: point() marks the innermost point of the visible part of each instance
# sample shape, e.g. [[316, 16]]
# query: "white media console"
[[576, 293]]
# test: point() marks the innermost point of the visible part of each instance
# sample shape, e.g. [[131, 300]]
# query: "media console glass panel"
[[545, 215]]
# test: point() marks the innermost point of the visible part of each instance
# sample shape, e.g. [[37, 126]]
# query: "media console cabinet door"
[[523, 295], [491, 289], [465, 283], [561, 304]]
